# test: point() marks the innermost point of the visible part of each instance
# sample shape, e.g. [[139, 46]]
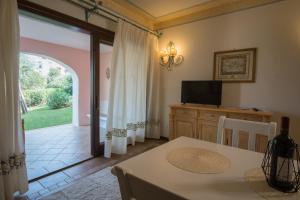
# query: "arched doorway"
[[54, 138], [44, 64]]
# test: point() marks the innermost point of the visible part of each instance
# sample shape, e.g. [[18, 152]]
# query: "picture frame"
[[235, 65]]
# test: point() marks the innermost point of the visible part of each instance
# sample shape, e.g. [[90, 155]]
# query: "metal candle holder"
[[281, 166]]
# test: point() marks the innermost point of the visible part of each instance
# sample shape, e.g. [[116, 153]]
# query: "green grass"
[[43, 116]]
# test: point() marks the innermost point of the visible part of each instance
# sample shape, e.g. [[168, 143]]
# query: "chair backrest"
[[251, 127], [133, 188]]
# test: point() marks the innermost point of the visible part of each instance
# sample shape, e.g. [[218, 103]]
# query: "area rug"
[[101, 185]]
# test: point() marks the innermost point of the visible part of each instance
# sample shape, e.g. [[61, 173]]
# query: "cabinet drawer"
[[185, 113], [207, 130], [210, 116], [245, 117]]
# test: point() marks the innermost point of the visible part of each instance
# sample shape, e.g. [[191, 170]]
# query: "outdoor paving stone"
[[31, 158], [55, 165], [47, 157]]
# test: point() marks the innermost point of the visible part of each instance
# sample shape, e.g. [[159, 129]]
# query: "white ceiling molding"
[[158, 8]]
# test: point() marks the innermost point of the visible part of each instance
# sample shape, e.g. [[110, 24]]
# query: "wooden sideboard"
[[201, 121]]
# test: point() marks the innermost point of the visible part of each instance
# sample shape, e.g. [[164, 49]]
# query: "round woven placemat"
[[256, 179], [198, 160]]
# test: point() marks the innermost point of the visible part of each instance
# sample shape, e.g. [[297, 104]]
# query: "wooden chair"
[[251, 127], [133, 188]]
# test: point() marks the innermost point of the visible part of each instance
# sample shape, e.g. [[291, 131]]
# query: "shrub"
[[68, 84], [56, 83], [58, 99], [53, 74], [49, 91], [34, 97]]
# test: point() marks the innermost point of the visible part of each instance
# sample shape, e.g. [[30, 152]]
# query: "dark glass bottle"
[[283, 148]]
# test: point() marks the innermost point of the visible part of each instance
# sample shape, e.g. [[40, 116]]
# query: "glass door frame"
[[96, 40]]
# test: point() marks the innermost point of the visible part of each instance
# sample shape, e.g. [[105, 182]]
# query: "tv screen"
[[201, 92]]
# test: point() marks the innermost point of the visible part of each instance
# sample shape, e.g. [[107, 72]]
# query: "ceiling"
[[161, 14], [47, 32], [158, 8]]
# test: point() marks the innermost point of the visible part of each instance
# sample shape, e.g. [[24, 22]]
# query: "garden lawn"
[[41, 117]]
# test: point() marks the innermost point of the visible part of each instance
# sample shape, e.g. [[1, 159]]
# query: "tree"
[[68, 84], [31, 79], [53, 75], [25, 61]]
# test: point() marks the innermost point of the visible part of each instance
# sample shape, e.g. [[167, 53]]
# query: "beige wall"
[[77, 12], [274, 29]]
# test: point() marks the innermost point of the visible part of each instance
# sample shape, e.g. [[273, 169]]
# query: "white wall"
[[274, 29]]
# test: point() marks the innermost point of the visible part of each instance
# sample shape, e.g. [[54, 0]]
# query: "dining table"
[[153, 167]]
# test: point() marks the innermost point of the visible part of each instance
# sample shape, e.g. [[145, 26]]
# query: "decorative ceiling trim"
[[207, 10], [130, 11], [194, 13]]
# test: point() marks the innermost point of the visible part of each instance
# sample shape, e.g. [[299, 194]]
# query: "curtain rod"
[[94, 8]]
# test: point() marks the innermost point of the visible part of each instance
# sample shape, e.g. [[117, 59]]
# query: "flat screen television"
[[201, 92]]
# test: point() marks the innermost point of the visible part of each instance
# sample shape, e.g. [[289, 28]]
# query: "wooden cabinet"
[[185, 127], [207, 130], [183, 122], [201, 122]]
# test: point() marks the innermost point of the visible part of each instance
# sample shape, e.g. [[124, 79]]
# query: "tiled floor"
[[52, 148], [59, 180]]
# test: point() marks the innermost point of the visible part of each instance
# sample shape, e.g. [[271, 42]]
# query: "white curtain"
[[153, 91], [13, 176], [131, 69]]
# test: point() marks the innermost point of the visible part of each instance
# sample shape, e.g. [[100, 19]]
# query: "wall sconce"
[[169, 57]]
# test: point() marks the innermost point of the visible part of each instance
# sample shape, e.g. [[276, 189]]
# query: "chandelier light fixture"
[[169, 57]]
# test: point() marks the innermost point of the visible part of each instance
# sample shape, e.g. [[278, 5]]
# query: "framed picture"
[[235, 65]]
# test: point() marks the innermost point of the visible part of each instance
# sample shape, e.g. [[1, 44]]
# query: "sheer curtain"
[[153, 91], [134, 56], [13, 176]]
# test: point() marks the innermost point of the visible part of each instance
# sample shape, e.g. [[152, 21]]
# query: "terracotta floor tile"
[[34, 196], [61, 179], [36, 172], [34, 187], [57, 143], [44, 192]]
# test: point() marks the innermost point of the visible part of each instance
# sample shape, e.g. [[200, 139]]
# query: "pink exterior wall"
[[79, 61]]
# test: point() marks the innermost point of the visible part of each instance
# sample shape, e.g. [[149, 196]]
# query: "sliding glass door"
[[68, 71]]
